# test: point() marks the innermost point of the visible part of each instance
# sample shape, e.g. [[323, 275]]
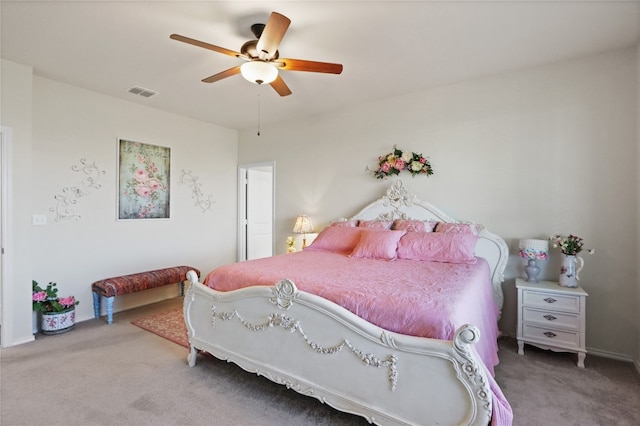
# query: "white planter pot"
[[58, 322]]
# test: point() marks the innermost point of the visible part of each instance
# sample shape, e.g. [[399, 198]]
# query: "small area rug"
[[168, 324]]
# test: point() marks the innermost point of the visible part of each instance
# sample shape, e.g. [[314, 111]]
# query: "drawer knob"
[[550, 317], [550, 300], [550, 334]]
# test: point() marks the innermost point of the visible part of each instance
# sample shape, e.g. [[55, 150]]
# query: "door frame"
[[242, 205], [5, 231]]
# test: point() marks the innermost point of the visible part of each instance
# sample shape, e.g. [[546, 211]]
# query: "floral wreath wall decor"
[[397, 161], [203, 202], [69, 196]]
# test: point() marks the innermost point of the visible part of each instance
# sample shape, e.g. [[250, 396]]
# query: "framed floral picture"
[[143, 180]]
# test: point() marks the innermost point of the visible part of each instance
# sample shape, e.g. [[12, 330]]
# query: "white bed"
[[320, 349]]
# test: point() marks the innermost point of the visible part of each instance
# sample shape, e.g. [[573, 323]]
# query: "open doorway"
[[256, 210]]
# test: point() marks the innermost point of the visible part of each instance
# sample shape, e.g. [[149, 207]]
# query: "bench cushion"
[[126, 284]]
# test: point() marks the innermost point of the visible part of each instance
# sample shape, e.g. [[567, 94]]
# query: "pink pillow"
[[438, 247], [457, 228], [379, 224], [337, 239], [346, 223], [378, 244], [413, 225]]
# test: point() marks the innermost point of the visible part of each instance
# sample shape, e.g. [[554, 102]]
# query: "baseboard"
[[610, 355], [21, 341], [597, 352]]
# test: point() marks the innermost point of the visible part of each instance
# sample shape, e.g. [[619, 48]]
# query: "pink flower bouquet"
[[47, 300], [397, 160]]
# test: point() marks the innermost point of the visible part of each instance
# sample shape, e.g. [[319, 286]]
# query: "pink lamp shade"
[[534, 249]]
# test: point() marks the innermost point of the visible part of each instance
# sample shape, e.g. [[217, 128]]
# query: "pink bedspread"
[[418, 298]]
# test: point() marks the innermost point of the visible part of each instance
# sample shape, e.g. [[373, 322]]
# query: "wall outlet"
[[39, 219]]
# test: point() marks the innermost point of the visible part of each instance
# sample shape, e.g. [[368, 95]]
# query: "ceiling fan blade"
[[272, 35], [224, 74], [310, 66], [199, 43], [280, 86]]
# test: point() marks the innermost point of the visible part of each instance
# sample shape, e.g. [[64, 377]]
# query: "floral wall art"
[[69, 196], [144, 172]]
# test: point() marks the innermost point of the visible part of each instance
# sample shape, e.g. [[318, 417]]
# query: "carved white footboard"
[[319, 349]]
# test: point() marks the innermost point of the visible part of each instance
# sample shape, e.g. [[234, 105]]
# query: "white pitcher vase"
[[569, 270]]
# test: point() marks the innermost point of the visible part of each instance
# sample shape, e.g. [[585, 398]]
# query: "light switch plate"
[[39, 219]]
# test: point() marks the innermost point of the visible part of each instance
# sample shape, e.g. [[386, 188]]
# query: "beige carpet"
[[120, 374]]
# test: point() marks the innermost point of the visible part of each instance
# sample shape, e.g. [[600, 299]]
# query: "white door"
[[5, 143], [255, 210], [259, 214], [2, 206]]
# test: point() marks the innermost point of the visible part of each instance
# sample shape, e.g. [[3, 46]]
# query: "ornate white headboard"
[[399, 203]]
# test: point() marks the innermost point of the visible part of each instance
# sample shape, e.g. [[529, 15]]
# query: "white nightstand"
[[551, 317]]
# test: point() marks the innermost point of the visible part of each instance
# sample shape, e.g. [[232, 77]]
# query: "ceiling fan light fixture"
[[262, 56], [259, 72]]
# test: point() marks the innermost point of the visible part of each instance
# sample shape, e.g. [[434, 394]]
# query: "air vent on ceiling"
[[136, 90]]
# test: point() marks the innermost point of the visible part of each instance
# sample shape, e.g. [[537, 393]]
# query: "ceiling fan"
[[262, 56]]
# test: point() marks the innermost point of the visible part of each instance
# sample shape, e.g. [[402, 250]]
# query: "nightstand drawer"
[[550, 319], [559, 302], [551, 337]]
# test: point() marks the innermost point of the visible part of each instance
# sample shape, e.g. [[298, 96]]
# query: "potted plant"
[[58, 314]]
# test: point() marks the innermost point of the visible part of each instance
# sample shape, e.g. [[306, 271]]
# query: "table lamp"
[[533, 250], [303, 226]]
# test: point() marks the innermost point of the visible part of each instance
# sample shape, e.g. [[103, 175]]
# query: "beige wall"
[[532, 153], [69, 124], [637, 360]]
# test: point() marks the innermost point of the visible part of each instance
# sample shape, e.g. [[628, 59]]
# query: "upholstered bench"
[[117, 286]]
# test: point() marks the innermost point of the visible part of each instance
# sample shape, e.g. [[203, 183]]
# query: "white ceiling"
[[388, 48]]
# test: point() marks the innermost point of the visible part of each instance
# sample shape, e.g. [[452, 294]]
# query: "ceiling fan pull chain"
[[258, 111]]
